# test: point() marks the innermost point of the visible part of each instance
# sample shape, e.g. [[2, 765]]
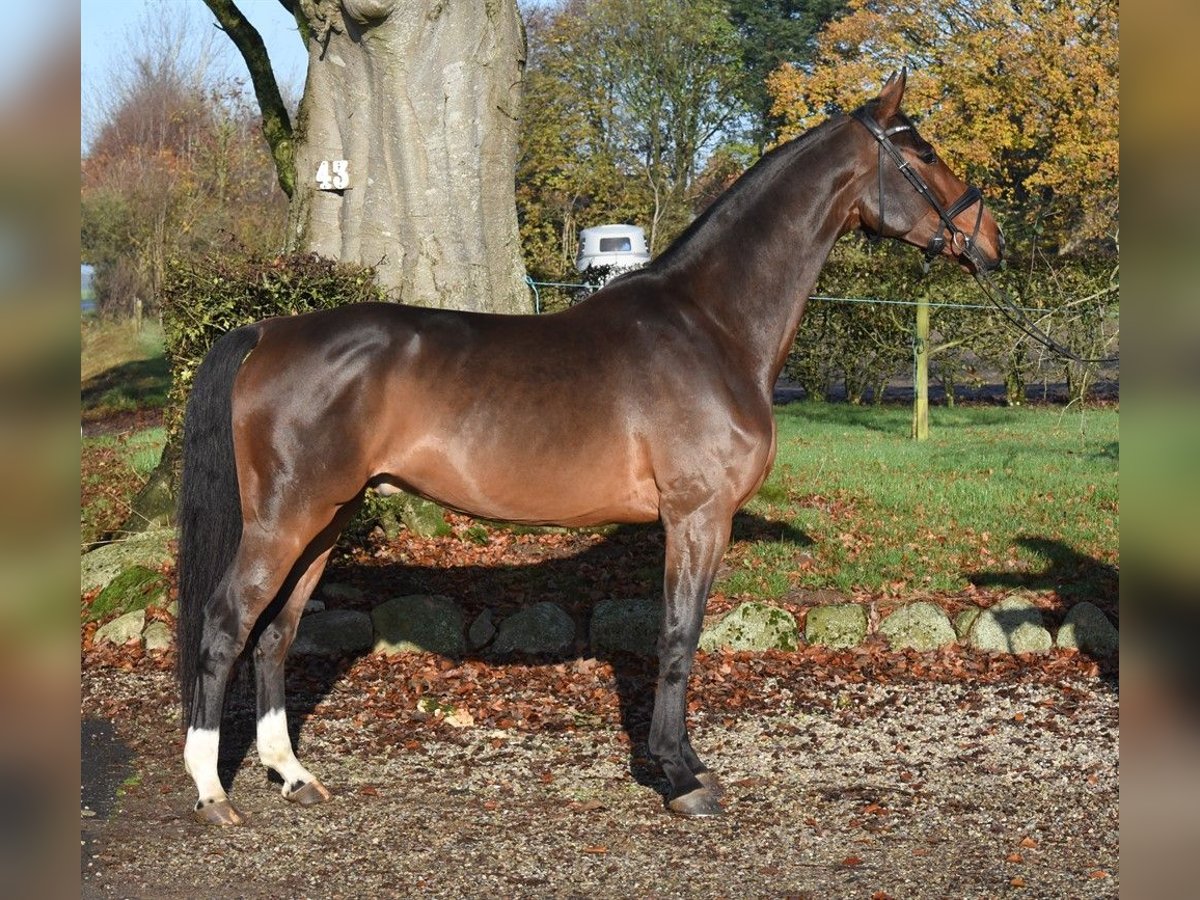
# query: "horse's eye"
[[929, 157]]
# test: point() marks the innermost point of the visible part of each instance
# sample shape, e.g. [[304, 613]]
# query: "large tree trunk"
[[421, 99]]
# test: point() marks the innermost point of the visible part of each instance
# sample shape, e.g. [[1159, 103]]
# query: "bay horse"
[[651, 400]]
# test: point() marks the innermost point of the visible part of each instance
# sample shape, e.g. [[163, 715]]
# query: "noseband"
[[962, 242]]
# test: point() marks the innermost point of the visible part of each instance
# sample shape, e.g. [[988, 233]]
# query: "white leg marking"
[[200, 760], [275, 751]]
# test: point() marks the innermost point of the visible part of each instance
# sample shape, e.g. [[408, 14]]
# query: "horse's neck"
[[757, 263]]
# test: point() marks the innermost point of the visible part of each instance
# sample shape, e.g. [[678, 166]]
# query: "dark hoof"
[[217, 812], [711, 784], [699, 802], [310, 794]]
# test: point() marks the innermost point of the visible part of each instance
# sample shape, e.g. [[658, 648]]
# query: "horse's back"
[[513, 417]]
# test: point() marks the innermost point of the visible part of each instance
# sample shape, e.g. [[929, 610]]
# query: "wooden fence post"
[[920, 422]]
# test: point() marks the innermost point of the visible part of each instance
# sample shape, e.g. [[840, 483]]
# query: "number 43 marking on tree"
[[333, 175]]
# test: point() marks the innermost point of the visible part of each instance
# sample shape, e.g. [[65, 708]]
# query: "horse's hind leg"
[[259, 569], [695, 545], [270, 653]]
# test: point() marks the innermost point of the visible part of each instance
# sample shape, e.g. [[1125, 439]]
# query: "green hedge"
[[204, 298]]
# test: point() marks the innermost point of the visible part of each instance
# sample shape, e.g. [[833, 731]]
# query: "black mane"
[[758, 178]]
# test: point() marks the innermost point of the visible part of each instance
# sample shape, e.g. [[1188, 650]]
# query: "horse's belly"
[[508, 485]]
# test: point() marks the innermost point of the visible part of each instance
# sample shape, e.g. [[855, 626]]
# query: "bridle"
[[961, 242]]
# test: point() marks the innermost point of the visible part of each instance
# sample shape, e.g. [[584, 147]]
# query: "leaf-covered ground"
[[862, 772], [842, 779]]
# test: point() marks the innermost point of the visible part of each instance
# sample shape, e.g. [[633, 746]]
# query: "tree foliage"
[[624, 102], [771, 33], [1020, 97], [176, 165]]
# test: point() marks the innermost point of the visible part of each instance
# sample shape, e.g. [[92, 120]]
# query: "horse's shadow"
[[577, 583], [1073, 575]]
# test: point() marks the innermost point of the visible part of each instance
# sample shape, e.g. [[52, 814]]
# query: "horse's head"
[[909, 193]]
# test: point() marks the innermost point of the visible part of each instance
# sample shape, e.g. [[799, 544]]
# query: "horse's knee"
[[674, 658]]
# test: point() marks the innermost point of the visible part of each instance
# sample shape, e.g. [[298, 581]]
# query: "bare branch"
[[276, 124]]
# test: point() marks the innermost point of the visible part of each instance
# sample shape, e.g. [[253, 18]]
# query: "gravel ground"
[[915, 789]]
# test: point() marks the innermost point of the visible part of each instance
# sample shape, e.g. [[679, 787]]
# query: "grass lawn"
[[113, 468], [997, 498], [121, 369]]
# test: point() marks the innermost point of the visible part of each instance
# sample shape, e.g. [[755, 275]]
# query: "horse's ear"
[[890, 96]]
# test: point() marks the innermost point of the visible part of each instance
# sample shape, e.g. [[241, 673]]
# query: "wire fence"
[[917, 338], [534, 285]]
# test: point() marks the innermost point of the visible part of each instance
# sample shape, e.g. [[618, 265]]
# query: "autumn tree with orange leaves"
[[1023, 100]]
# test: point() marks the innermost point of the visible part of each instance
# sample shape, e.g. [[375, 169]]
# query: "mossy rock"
[[840, 625], [918, 626], [334, 633], [100, 566], [1087, 628], [964, 620], [544, 628], [122, 629], [157, 636], [135, 588], [482, 630], [1014, 625], [753, 626], [627, 626], [423, 517], [396, 512], [418, 624]]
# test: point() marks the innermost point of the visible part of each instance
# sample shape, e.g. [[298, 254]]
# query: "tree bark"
[[421, 99]]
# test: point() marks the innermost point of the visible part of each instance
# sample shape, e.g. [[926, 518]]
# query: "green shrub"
[[206, 297], [861, 346]]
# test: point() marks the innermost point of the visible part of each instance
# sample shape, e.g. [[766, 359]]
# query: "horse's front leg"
[[696, 542]]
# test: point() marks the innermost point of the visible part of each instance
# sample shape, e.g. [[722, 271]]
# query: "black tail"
[[210, 510]]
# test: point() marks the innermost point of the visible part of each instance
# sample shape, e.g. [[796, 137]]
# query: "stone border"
[[436, 624]]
